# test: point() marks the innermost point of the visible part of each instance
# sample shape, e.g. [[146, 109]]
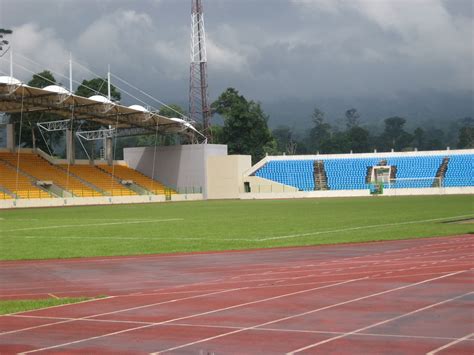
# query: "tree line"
[[246, 129]]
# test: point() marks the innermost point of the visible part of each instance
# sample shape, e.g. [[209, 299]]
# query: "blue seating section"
[[350, 173], [298, 173], [460, 171], [347, 173], [420, 170]]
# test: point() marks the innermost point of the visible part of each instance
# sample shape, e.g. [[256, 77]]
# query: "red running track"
[[397, 297]]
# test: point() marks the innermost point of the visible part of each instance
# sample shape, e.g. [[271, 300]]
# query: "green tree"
[[97, 85], [320, 134], [394, 135], [358, 139], [466, 134], [43, 79], [217, 133], [435, 139], [339, 143], [146, 140], [285, 140], [245, 128], [419, 138], [30, 135], [4, 47], [352, 118], [172, 110]]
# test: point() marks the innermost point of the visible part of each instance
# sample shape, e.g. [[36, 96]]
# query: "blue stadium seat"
[[349, 173]]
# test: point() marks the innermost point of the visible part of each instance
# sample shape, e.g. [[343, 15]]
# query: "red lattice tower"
[[199, 109]]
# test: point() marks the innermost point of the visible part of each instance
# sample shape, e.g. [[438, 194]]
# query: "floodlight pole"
[[199, 109], [70, 72], [11, 63], [108, 85]]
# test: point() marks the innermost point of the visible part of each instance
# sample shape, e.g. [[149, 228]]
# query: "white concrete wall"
[[261, 185], [358, 193], [177, 166], [225, 175], [86, 201]]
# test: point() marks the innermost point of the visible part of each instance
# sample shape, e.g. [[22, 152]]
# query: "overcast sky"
[[269, 50]]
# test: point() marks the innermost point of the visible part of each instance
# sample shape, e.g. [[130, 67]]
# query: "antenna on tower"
[[199, 109]]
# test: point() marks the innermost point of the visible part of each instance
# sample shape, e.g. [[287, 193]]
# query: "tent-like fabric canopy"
[[17, 97]]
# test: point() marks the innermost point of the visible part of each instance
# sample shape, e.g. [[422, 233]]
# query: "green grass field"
[[14, 306], [223, 225]]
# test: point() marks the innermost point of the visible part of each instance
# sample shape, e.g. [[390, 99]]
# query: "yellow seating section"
[[41, 169], [23, 188], [125, 173], [100, 179], [72, 180]]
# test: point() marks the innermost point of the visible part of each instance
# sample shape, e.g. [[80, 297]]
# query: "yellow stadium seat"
[[41, 169], [125, 173]]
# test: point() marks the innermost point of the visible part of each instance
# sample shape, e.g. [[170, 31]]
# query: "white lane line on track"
[[264, 285], [121, 310], [432, 352], [188, 255], [224, 280], [361, 270], [360, 228], [20, 315], [100, 238], [308, 312], [385, 335], [74, 319], [257, 239], [192, 315], [312, 346], [190, 325], [352, 260], [95, 224]]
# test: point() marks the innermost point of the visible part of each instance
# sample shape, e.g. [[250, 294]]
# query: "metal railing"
[[267, 188], [188, 190]]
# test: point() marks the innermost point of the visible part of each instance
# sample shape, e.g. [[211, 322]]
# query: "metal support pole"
[[11, 137], [109, 151], [70, 148]]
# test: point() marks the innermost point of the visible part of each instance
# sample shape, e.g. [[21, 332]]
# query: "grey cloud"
[[268, 49]]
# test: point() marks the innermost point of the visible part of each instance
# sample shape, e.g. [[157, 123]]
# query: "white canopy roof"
[[57, 89], [96, 108], [9, 80]]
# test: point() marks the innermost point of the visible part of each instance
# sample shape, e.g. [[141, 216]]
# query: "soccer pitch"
[[225, 225]]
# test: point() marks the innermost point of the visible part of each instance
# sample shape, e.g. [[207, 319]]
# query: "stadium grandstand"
[[30, 174], [356, 172], [32, 177]]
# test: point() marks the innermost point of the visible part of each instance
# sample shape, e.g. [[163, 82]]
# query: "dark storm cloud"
[[268, 49]]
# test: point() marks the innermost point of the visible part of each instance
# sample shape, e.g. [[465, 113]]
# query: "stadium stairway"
[[141, 181], [441, 173], [320, 176]]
